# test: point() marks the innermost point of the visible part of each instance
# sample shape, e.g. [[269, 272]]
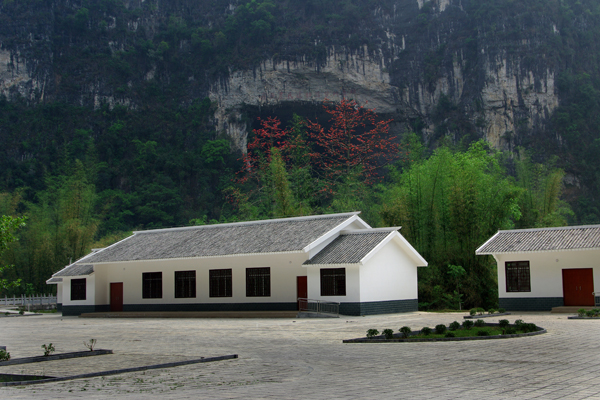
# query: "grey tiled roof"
[[348, 248], [269, 236], [75, 270], [54, 280], [544, 239]]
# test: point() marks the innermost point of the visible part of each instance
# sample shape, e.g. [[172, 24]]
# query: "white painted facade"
[[546, 270]]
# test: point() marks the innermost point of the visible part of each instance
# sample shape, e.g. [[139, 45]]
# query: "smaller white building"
[[539, 269], [248, 266]]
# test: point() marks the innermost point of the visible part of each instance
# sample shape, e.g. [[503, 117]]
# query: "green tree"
[[8, 227]]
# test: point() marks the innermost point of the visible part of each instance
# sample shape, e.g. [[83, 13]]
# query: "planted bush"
[[501, 310], [405, 331], [426, 331], [4, 355], [371, 333], [388, 333], [589, 313], [480, 310], [440, 329], [479, 323], [454, 326], [449, 334], [510, 331], [581, 312], [473, 311], [48, 349], [491, 311], [483, 333], [467, 324], [519, 323]]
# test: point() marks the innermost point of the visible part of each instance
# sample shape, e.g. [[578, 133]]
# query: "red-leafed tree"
[[356, 142]]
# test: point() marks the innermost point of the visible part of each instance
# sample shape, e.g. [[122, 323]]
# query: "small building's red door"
[[578, 286], [302, 290], [116, 296]]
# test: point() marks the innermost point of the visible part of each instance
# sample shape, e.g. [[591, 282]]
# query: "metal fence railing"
[[596, 298], [28, 300], [319, 306]]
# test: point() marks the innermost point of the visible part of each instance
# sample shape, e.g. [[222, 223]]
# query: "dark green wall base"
[[379, 307], [77, 310], [530, 303]]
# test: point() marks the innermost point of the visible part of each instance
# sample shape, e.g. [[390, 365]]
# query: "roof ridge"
[[258, 222], [370, 230], [553, 228]]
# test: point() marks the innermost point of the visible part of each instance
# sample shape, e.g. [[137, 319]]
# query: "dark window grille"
[[185, 284], [78, 289], [152, 285], [258, 282], [517, 276], [333, 282], [219, 283]]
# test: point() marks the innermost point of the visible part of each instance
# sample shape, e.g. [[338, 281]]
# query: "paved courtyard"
[[305, 359]]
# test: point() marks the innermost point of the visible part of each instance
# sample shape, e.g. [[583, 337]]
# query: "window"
[[517, 276], [258, 282], [78, 289], [219, 282], [152, 285], [185, 284], [333, 282]]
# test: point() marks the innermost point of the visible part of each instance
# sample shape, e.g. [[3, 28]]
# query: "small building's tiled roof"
[[349, 248], [543, 239], [54, 281], [256, 237], [75, 270]]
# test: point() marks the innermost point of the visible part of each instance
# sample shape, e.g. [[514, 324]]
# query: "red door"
[[578, 285], [302, 290], [116, 296]]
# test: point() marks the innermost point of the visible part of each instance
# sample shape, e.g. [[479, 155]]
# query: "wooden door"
[[116, 296], [578, 285], [301, 290]]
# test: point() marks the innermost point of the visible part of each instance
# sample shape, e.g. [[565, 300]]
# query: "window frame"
[[518, 276], [78, 289], [333, 281], [185, 284], [220, 282], [258, 282], [152, 285]]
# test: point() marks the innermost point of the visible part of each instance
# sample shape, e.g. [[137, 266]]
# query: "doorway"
[[302, 291], [578, 286], [116, 296]]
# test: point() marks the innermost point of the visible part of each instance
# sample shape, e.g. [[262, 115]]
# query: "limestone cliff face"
[[419, 55]]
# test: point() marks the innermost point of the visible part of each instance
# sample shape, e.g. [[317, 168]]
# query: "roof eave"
[[335, 231]]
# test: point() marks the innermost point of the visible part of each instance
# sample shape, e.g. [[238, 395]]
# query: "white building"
[[539, 269], [257, 265]]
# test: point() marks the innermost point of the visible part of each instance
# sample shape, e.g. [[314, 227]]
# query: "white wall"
[[389, 275], [546, 271], [284, 270], [59, 293], [352, 283], [90, 282]]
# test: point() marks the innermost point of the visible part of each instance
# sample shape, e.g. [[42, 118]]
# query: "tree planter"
[[398, 337], [485, 315], [578, 317], [61, 356]]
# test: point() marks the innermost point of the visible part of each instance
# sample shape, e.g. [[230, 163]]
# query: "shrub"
[[596, 311], [48, 349], [440, 329], [4, 355], [483, 333], [491, 311], [454, 326], [581, 312], [449, 334], [532, 327], [388, 333], [90, 345], [468, 324], [510, 331], [371, 333], [22, 312], [503, 323], [519, 323], [405, 331], [479, 323], [426, 331], [589, 313], [501, 310], [473, 311], [480, 310]]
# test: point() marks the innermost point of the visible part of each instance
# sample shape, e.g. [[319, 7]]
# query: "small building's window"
[[333, 281], [219, 283], [78, 289], [185, 284], [258, 282], [517, 276], [152, 285]]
